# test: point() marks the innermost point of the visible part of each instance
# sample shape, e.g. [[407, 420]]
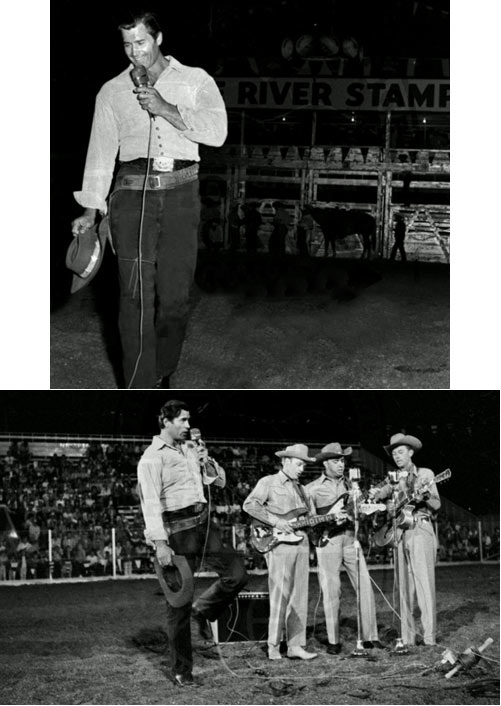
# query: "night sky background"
[[459, 429]]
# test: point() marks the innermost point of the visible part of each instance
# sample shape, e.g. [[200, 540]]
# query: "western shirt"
[[273, 496], [120, 126], [325, 491], [170, 478]]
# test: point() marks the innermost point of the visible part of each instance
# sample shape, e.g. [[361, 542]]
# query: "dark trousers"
[[276, 244], [169, 252], [212, 602], [398, 247], [302, 241]]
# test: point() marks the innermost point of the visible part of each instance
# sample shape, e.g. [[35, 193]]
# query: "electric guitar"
[[264, 537], [404, 512], [320, 536]]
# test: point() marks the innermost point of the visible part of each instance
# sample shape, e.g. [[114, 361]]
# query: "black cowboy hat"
[[85, 255], [184, 594]]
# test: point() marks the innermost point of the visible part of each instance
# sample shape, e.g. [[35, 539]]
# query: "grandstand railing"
[[124, 553]]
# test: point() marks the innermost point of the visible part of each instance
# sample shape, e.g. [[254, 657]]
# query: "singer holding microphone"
[[152, 116], [172, 475]]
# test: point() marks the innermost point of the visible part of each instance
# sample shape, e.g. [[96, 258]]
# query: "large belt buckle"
[[163, 164], [154, 181]]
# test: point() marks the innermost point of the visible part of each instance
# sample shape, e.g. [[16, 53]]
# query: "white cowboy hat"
[[403, 440], [296, 451]]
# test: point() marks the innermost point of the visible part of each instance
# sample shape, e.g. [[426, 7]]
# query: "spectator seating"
[[81, 499]]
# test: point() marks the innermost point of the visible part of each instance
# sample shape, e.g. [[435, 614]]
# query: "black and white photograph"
[[249, 547], [300, 151]]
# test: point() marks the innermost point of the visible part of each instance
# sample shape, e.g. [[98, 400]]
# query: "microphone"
[[139, 76], [196, 436], [354, 474], [140, 79]]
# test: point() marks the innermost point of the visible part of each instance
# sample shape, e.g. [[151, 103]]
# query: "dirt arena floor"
[[104, 643], [259, 324]]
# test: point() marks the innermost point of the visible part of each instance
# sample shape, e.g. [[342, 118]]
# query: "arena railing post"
[[51, 565], [114, 552]]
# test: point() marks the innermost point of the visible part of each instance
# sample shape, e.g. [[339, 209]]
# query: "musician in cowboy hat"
[[403, 440], [417, 546], [275, 500], [335, 547]]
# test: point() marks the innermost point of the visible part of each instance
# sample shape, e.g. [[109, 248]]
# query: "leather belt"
[[162, 180], [189, 511], [177, 164]]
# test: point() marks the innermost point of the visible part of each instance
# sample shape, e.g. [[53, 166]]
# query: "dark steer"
[[337, 223]]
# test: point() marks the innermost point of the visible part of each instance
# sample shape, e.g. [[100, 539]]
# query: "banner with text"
[[336, 93]]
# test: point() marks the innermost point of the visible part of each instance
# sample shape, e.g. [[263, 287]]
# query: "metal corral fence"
[[379, 181]]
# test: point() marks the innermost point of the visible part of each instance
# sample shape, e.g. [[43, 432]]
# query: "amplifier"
[[244, 619]]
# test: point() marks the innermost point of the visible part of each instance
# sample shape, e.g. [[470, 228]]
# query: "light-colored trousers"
[[416, 571], [338, 551], [288, 573]]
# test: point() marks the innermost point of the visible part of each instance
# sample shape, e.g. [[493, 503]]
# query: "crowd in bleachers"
[[81, 499]]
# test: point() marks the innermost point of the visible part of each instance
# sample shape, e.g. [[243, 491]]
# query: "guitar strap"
[[411, 481], [301, 492]]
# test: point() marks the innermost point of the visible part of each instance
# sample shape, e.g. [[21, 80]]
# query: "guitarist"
[[417, 546], [335, 547], [288, 564]]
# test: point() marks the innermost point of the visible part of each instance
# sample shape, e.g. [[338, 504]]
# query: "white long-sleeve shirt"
[[121, 127], [170, 478]]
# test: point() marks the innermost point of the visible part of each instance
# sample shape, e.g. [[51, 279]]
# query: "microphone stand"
[[359, 650], [400, 648]]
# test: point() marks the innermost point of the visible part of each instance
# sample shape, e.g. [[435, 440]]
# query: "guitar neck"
[[409, 498], [312, 521]]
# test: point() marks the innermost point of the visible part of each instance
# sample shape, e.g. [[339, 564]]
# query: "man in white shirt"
[[172, 475], [154, 207]]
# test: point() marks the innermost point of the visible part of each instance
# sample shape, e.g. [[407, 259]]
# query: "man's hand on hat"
[[164, 553], [83, 222]]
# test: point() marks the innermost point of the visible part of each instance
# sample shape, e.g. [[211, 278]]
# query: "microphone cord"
[[140, 257]]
